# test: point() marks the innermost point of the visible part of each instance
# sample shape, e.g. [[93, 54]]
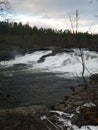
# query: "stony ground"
[[22, 118]]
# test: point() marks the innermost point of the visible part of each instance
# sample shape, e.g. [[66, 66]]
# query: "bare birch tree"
[[74, 27], [5, 8]]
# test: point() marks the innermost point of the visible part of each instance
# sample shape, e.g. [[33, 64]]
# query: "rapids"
[[65, 64], [43, 77]]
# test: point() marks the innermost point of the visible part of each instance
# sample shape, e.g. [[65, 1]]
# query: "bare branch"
[[71, 22], [4, 8]]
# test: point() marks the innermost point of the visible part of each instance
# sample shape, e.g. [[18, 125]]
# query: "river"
[[26, 82]]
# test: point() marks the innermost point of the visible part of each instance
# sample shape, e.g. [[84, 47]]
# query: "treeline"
[[18, 36]]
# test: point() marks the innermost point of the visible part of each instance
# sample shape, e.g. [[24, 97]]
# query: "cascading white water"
[[64, 63], [26, 59]]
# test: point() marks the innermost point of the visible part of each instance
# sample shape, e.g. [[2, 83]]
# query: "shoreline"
[[74, 109]]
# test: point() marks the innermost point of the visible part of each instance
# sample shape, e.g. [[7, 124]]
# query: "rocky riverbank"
[[22, 118], [73, 113], [78, 110]]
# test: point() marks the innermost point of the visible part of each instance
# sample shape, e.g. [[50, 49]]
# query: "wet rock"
[[75, 119], [53, 118], [42, 59], [94, 77]]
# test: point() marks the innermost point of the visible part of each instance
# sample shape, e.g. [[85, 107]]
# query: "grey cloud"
[[57, 8], [51, 5], [54, 6]]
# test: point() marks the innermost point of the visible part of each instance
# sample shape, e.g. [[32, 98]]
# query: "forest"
[[18, 36]]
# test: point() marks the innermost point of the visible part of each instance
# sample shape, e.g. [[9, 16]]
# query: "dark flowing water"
[[21, 88]]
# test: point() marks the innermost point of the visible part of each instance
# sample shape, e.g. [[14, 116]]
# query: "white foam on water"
[[71, 64], [26, 59], [62, 63]]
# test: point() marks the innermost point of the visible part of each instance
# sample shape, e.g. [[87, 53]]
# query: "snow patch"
[[90, 104]]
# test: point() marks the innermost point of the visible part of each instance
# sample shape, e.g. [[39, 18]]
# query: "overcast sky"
[[55, 13]]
